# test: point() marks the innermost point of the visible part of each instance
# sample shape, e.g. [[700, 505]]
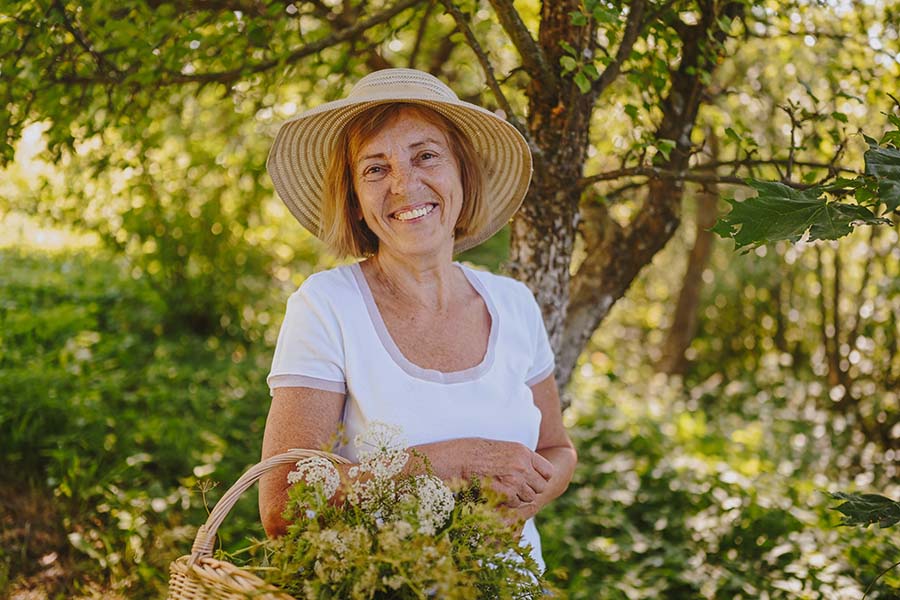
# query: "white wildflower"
[[436, 502], [382, 450], [316, 470], [403, 529]]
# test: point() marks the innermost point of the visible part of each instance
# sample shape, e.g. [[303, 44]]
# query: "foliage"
[[727, 464], [395, 535], [672, 500], [780, 212], [867, 509], [107, 426]]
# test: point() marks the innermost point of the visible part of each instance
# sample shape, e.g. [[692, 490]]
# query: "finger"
[[508, 492], [526, 494], [536, 482], [542, 466]]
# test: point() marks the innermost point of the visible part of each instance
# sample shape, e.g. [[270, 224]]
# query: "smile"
[[414, 213]]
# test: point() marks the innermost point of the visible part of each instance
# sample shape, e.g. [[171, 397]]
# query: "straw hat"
[[299, 157]]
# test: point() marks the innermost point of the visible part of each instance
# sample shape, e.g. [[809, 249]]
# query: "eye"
[[373, 172], [427, 155]]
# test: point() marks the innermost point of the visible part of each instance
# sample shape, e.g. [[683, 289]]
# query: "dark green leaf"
[[632, 111], [839, 116], [732, 134], [779, 212], [884, 163], [867, 509], [842, 184], [568, 64], [258, 37]]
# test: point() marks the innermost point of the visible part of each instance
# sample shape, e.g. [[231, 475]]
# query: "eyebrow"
[[412, 146]]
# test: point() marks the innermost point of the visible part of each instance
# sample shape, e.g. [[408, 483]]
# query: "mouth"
[[413, 213]]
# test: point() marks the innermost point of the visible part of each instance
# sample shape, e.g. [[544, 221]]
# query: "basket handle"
[[206, 535]]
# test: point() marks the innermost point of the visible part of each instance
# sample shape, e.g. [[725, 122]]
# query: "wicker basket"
[[199, 576]]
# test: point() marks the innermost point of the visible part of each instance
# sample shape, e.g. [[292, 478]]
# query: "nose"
[[400, 178]]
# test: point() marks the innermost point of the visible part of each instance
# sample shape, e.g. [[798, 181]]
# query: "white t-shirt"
[[333, 338]]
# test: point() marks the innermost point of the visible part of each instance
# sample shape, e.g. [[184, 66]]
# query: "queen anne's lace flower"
[[436, 502], [382, 450], [316, 470]]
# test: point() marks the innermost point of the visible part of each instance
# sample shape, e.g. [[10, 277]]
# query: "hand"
[[517, 473]]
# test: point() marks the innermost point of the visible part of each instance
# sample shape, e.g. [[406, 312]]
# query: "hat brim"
[[299, 157]]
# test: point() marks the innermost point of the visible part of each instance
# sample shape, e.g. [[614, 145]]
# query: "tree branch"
[[420, 35], [661, 173], [104, 64], [533, 58], [632, 30], [702, 173], [233, 75], [463, 28]]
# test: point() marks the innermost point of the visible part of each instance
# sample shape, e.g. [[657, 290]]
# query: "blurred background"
[[145, 262]]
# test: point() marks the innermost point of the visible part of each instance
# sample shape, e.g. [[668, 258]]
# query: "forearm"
[[564, 459]]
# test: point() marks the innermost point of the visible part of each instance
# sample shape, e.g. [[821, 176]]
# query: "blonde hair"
[[340, 224]]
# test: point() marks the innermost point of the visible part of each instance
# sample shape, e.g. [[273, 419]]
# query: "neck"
[[422, 282]]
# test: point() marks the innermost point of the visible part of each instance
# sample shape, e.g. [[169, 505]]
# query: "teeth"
[[414, 214]]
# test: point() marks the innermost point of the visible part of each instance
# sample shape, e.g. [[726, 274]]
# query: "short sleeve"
[[309, 351], [543, 362]]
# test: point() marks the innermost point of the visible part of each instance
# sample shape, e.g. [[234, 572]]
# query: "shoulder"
[[324, 293], [325, 286], [504, 290]]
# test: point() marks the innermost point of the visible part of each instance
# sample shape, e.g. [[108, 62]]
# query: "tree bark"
[[543, 231]]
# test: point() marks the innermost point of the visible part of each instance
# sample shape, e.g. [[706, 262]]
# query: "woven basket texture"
[[199, 576]]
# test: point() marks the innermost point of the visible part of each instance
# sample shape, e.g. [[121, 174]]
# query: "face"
[[409, 188]]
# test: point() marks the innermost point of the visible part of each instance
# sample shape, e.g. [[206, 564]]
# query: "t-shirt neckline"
[[412, 369]]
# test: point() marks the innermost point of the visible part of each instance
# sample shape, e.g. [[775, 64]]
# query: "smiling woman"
[[359, 169], [404, 174]]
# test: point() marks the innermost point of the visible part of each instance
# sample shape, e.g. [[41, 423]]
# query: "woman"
[[405, 174]]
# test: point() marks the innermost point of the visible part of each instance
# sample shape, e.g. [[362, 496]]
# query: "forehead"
[[408, 125]]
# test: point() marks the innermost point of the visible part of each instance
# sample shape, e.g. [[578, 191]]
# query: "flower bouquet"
[[388, 534]]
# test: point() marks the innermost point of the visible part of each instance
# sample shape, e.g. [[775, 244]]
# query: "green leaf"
[[839, 116], [841, 184], [568, 64], [732, 134], [258, 36], [779, 212], [867, 509], [579, 19], [582, 82], [665, 147], [632, 111], [892, 138], [810, 177], [592, 72], [894, 120], [884, 164], [568, 48]]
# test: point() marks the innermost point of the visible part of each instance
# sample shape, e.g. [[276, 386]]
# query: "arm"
[[554, 445], [299, 417], [303, 417]]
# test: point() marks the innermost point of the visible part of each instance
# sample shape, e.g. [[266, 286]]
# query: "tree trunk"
[[559, 116], [684, 322], [614, 254]]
